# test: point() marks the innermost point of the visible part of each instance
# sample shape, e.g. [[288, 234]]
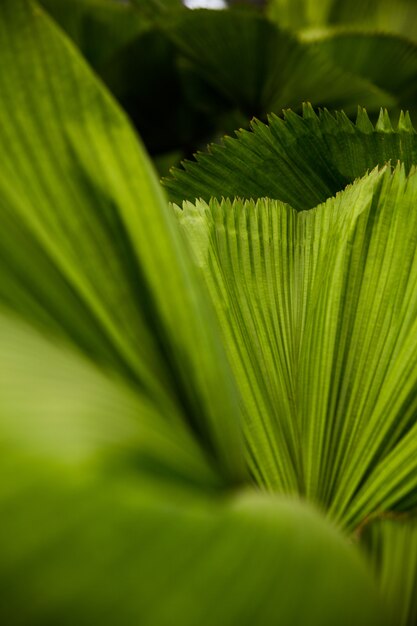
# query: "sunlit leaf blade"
[[237, 247], [261, 68], [319, 312], [392, 545], [299, 160], [110, 514], [258, 260], [106, 268]]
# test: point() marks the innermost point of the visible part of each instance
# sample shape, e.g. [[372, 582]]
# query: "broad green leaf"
[[89, 249], [260, 68], [319, 313], [392, 545], [299, 160], [122, 551], [110, 515]]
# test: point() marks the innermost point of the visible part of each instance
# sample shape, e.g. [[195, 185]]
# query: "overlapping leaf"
[[57, 408], [370, 38], [299, 160]]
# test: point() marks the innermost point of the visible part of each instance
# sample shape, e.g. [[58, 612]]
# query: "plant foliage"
[[208, 409], [223, 67]]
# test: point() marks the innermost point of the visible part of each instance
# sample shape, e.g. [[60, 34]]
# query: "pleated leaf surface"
[[319, 313]]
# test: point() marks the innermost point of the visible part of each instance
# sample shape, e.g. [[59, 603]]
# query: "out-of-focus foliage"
[[391, 541], [384, 15], [217, 69]]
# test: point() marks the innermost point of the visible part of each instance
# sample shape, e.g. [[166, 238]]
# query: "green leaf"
[[159, 6], [261, 68], [392, 545], [382, 15], [89, 248], [387, 61], [318, 310], [143, 556], [109, 514], [299, 160], [57, 407]]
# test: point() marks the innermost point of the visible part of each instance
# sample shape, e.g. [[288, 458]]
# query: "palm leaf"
[[382, 15], [299, 160], [319, 313], [385, 60], [260, 67]]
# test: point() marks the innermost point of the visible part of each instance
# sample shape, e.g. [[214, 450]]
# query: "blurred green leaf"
[[395, 16], [392, 544], [58, 408], [261, 68], [133, 56], [109, 514], [107, 266]]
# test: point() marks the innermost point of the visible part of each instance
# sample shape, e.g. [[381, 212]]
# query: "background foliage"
[[218, 69]]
